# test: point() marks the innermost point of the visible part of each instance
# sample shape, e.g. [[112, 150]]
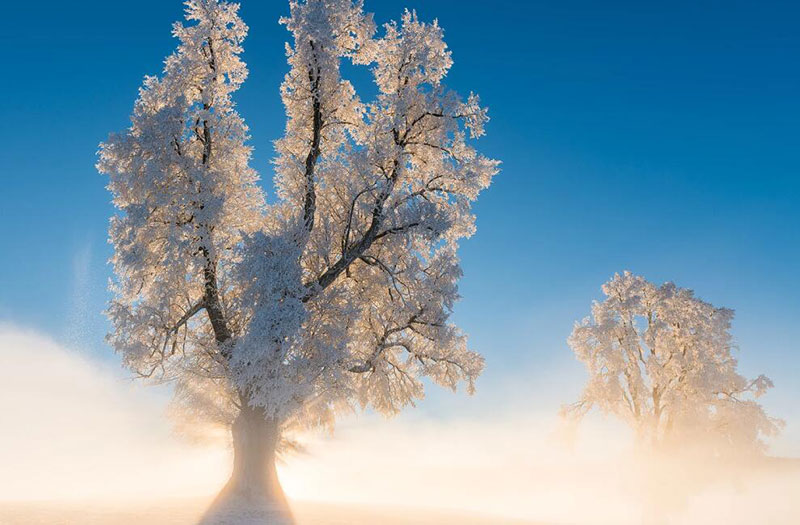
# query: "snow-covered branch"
[[342, 289]]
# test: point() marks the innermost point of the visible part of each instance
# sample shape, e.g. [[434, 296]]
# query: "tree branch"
[[310, 203], [358, 249]]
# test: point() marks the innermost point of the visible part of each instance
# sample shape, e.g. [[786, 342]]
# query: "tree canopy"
[[340, 292], [663, 361]]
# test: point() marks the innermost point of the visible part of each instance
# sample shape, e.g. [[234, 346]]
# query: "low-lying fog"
[[81, 445]]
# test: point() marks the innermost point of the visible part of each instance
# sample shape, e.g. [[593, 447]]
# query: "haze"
[[658, 138], [81, 444]]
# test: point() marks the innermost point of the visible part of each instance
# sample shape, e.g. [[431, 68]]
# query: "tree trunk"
[[253, 495]]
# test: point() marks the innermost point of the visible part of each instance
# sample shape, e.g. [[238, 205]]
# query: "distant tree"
[[662, 360], [338, 294]]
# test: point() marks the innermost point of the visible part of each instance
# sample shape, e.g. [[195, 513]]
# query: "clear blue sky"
[[657, 137]]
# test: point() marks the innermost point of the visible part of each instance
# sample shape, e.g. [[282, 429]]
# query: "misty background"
[[655, 138]]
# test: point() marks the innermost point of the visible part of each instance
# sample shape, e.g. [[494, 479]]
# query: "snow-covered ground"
[[187, 512]]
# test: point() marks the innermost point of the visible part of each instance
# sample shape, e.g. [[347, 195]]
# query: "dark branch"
[[355, 251], [310, 204]]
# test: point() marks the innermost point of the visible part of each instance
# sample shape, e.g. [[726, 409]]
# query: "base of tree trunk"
[[254, 494], [243, 509]]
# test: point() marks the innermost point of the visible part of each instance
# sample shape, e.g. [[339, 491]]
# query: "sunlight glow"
[[82, 433]]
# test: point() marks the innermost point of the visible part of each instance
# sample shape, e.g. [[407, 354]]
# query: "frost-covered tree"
[[339, 294], [662, 360]]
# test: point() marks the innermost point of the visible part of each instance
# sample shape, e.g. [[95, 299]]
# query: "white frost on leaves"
[[186, 195], [265, 361], [662, 360], [340, 292]]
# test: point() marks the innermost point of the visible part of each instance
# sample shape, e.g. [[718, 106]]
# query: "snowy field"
[[187, 512]]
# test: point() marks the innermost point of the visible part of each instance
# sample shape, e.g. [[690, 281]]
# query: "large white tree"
[[337, 295], [663, 361]]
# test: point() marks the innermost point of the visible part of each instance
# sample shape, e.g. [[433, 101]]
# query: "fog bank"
[[78, 431]]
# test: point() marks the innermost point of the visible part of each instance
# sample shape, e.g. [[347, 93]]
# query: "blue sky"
[[660, 138]]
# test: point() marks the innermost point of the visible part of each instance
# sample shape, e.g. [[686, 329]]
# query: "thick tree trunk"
[[253, 495]]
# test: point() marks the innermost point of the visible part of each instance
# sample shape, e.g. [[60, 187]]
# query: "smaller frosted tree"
[[662, 360]]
